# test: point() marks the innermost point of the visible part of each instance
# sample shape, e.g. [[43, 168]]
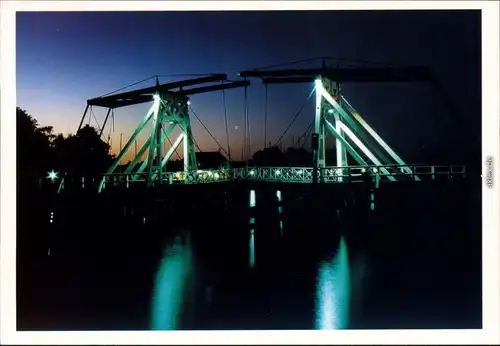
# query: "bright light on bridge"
[[53, 175]]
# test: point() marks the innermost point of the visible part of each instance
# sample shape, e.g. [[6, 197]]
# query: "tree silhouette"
[[84, 153], [34, 146], [39, 150], [298, 156], [271, 156]]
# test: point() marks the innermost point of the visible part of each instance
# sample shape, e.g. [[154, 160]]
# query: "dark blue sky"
[[65, 58]]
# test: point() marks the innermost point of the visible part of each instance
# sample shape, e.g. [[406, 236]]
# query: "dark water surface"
[[182, 260]]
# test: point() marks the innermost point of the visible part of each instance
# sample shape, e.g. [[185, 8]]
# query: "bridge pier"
[[373, 189], [280, 210]]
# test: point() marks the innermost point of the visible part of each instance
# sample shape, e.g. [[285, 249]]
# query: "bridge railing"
[[171, 178], [334, 174], [331, 174]]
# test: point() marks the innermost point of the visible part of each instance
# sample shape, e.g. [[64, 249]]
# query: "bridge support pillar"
[[280, 210], [373, 189], [372, 199], [318, 138], [167, 113]]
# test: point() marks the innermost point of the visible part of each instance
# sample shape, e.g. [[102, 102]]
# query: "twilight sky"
[[65, 58]]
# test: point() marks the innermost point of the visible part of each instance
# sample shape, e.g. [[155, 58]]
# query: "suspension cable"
[[305, 140], [244, 142], [192, 137], [96, 121], [354, 61], [112, 127], [187, 74], [160, 75], [249, 143], [225, 121], [128, 86], [265, 117], [305, 134], [295, 117], [90, 115], [285, 64], [109, 134], [206, 128], [358, 61]]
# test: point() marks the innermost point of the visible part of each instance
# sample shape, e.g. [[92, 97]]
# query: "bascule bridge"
[[170, 109]]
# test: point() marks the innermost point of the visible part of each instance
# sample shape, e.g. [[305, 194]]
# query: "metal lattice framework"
[[335, 115], [169, 110]]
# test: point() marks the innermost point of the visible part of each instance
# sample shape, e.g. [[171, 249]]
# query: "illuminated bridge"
[[170, 110]]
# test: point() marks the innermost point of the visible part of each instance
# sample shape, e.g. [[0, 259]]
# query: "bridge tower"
[[169, 110], [336, 115]]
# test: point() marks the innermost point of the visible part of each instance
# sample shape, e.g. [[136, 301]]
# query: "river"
[[413, 262]]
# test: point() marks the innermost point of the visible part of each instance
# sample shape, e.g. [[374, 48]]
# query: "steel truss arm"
[[83, 118], [146, 94], [225, 86], [134, 136], [379, 139], [136, 159], [345, 144], [374, 135], [170, 152], [353, 124], [347, 131], [153, 143], [120, 102], [370, 74], [142, 167], [341, 151], [105, 121], [365, 150]]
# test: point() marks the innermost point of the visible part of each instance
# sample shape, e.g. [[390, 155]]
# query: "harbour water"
[[322, 259]]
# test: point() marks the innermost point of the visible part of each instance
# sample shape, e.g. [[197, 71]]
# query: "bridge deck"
[[350, 174]]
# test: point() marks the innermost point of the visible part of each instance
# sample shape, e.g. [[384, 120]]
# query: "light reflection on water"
[[339, 282], [175, 277], [333, 289], [173, 280]]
